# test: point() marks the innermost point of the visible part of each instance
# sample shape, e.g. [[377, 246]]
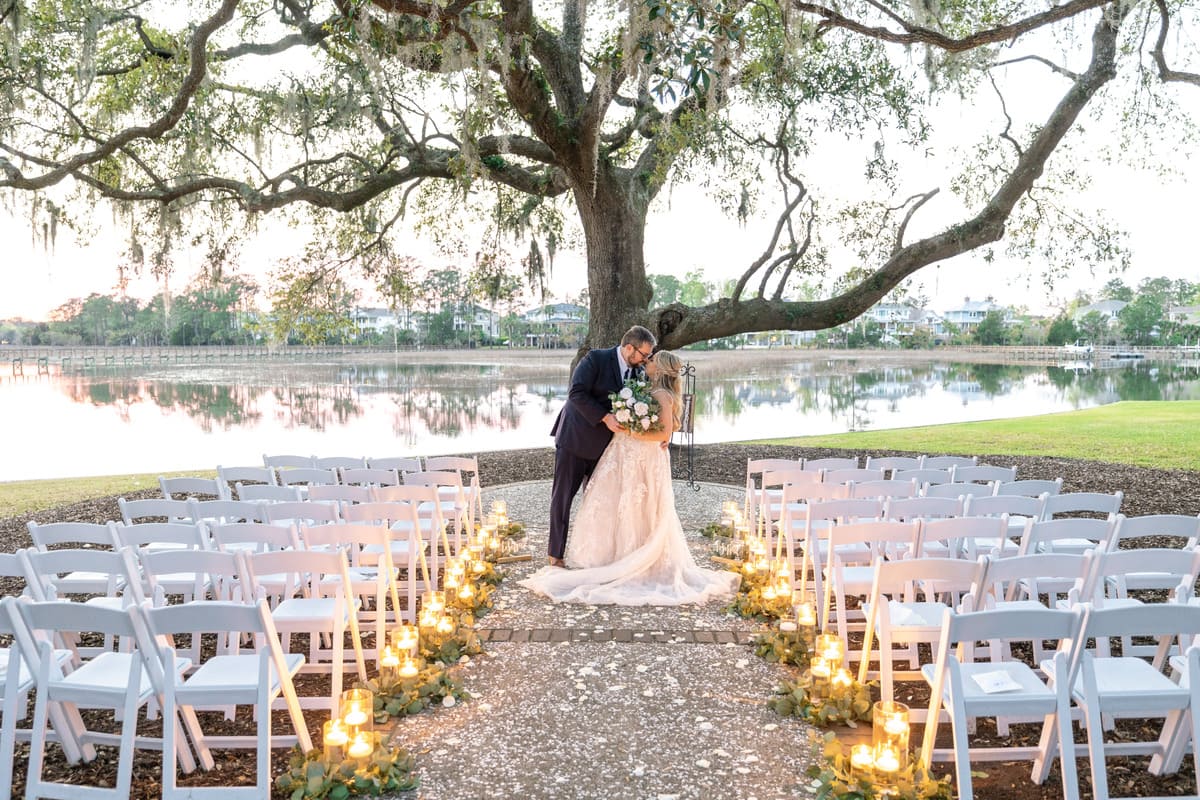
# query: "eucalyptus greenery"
[[449, 648], [834, 780], [717, 529], [513, 530], [432, 685], [750, 603], [312, 775], [779, 647], [840, 705]]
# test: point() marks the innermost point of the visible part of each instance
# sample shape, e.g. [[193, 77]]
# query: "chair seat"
[[1067, 546], [1032, 696], [228, 678], [915, 615], [305, 609], [107, 673], [25, 677], [84, 583], [1130, 686]]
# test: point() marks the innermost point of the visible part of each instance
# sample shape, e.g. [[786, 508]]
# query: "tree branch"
[[727, 317], [198, 67], [1165, 73]]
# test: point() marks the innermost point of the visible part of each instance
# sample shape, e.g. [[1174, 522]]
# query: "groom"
[[586, 424]]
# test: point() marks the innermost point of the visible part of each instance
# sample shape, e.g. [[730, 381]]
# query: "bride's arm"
[[666, 415]]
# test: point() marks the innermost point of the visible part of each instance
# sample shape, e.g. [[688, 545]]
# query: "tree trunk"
[[613, 216]]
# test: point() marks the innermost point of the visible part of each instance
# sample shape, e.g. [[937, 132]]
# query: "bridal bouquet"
[[634, 407]]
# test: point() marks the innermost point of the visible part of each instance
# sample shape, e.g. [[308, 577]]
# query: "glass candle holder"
[[889, 733], [830, 647], [357, 710], [478, 566], [499, 507], [361, 746], [818, 668], [405, 639], [389, 663], [434, 601], [445, 625], [334, 739], [451, 582], [862, 762], [409, 668], [466, 592]]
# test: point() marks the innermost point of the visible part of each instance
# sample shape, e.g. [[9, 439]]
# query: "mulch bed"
[[1147, 491]]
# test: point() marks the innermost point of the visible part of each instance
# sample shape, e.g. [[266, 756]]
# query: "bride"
[[628, 547]]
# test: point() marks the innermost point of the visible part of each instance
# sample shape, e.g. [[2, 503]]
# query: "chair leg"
[[1095, 737], [962, 754]]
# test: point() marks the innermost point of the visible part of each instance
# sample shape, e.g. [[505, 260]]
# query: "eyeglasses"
[[645, 356]]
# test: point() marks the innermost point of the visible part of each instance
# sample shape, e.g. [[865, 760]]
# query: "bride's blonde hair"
[[669, 366]]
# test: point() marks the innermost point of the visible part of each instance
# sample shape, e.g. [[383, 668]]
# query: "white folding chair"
[[1130, 687], [1030, 487], [852, 475], [451, 505], [966, 537], [308, 476], [366, 476], [400, 463], [884, 489], [302, 512], [283, 461], [80, 536], [254, 678], [983, 473], [372, 574], [769, 505], [826, 464], [220, 512], [109, 680], [906, 509], [851, 551], [960, 490], [212, 488], [1066, 535], [339, 462], [261, 537], [340, 493], [315, 597], [468, 474], [235, 475], [924, 475], [154, 536], [268, 493], [819, 516], [18, 667], [949, 462], [410, 533], [755, 470], [1182, 528], [1073, 504], [152, 509], [967, 689], [906, 606], [194, 575], [1019, 508], [891, 464]]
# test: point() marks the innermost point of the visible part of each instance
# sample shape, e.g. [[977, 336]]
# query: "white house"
[[478, 318], [1109, 309], [967, 316]]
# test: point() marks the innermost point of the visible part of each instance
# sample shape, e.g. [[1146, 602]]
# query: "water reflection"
[[180, 417]]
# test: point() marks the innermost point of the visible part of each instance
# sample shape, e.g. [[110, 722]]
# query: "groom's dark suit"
[[580, 436]]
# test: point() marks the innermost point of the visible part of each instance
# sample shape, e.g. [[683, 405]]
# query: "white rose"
[[654, 417], [626, 392], [645, 423], [640, 408], [623, 415]]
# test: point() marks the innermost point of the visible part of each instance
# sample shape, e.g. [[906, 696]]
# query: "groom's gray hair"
[[637, 335]]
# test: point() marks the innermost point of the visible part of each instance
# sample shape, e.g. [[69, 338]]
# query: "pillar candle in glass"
[[334, 740], [409, 668], [451, 582], [434, 601], [466, 593], [361, 746], [389, 663], [890, 731], [406, 640], [862, 762], [818, 668], [806, 622], [499, 507], [445, 625], [830, 648], [357, 710]]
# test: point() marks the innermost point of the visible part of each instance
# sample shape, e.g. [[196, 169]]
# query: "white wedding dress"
[[626, 545]]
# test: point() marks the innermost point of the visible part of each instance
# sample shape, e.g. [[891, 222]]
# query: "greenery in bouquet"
[[490, 575], [717, 529], [449, 648], [434, 684], [313, 775], [751, 603], [635, 408], [836, 705], [834, 779]]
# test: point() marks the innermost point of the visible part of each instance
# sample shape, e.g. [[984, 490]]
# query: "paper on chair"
[[995, 682]]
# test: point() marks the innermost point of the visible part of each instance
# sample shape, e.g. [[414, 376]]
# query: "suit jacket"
[[579, 429]]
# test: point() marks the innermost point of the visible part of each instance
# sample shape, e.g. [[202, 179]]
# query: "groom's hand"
[[610, 422]]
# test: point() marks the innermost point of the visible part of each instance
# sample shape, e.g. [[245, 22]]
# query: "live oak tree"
[[348, 115]]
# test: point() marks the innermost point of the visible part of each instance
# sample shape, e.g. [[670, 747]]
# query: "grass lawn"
[[1146, 434], [22, 498]]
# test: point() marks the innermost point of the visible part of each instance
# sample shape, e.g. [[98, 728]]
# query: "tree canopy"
[[560, 125]]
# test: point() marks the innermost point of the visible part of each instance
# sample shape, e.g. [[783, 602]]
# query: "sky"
[[687, 231]]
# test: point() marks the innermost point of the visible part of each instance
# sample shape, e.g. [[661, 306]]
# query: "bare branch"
[[1165, 72], [1066, 73], [1005, 134], [917, 34], [923, 199]]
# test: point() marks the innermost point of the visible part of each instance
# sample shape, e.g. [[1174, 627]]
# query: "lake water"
[[113, 420]]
